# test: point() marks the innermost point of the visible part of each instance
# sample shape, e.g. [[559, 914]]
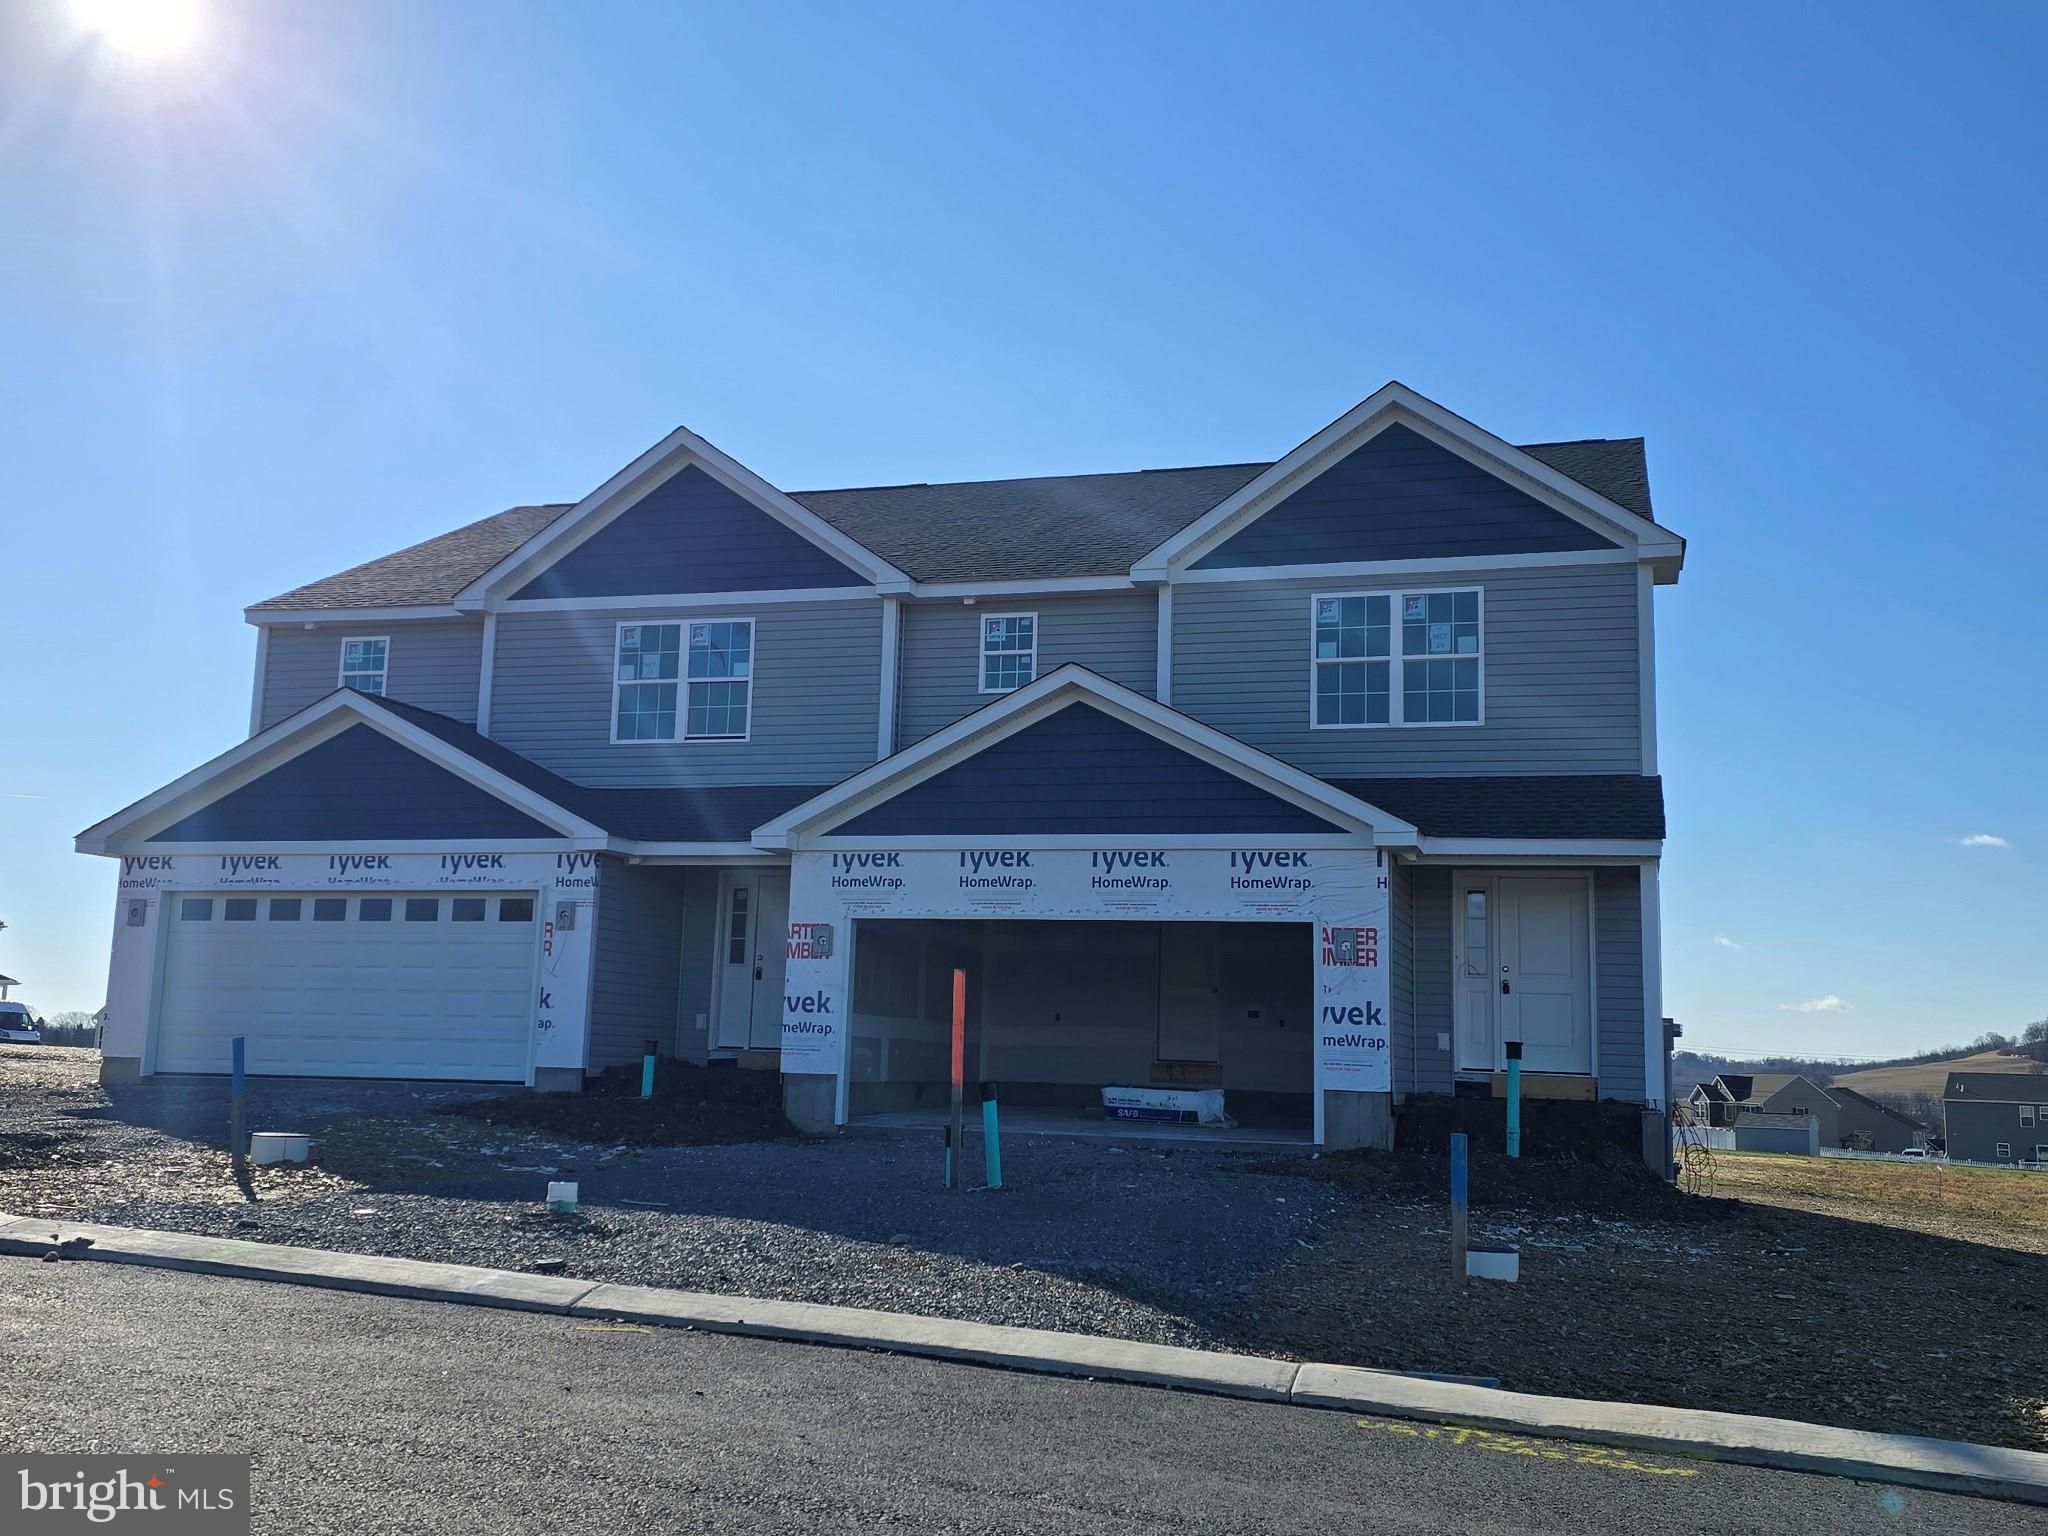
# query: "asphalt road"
[[367, 1414]]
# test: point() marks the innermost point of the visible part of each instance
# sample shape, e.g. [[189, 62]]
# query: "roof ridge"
[[1079, 474]]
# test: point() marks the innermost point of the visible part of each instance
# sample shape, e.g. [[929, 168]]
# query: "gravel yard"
[[1790, 1305], [1127, 1241]]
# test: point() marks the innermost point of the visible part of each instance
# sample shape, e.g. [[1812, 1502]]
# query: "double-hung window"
[[1396, 658], [1352, 635], [697, 676], [363, 664], [1009, 651]]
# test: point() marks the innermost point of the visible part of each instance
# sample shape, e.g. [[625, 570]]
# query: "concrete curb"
[[1949, 1466]]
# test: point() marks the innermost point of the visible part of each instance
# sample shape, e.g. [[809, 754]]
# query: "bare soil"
[[1822, 1289], [691, 1106], [1878, 1296]]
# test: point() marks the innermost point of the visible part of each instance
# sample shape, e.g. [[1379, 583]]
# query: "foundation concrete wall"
[[809, 1100], [1352, 1120]]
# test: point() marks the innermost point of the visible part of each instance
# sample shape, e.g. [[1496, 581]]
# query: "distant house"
[[1845, 1117], [1996, 1117]]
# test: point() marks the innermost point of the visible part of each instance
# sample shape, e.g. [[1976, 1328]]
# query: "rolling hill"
[[1928, 1078]]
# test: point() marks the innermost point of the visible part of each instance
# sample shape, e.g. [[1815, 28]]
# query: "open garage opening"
[[1059, 1010]]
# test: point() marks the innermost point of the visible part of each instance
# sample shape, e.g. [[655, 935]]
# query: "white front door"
[[1521, 969], [753, 948], [1546, 991]]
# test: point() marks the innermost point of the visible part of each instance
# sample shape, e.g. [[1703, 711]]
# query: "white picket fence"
[[1945, 1162], [1721, 1138]]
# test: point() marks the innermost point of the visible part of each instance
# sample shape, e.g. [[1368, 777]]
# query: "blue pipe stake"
[[1458, 1191], [647, 1076], [991, 1139], [238, 1107], [948, 1134], [1514, 1098]]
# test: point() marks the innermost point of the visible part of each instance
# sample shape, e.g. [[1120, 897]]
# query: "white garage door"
[[386, 984]]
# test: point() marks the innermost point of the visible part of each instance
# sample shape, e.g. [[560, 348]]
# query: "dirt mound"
[[1606, 1134], [692, 1106], [1575, 1157], [1498, 1182]]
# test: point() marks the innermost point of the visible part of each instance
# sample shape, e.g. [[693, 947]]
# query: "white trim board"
[[1617, 849], [891, 662], [683, 600], [1395, 571], [487, 674], [1395, 402], [256, 688], [316, 618], [1646, 664]]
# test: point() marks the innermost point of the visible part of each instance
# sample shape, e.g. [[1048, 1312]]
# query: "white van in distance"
[[19, 1026]]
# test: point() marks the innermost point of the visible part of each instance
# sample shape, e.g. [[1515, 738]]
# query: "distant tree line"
[[73, 1027]]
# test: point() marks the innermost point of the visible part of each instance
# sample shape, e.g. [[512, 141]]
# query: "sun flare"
[[147, 29]]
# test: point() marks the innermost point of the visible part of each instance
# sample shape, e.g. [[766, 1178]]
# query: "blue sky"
[[342, 277]]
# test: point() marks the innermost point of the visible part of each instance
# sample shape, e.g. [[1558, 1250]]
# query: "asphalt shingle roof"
[[1998, 1087], [1603, 805], [1017, 530], [1619, 805], [973, 530], [710, 813], [427, 574]]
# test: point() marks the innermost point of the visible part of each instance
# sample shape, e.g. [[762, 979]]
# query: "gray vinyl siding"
[[1618, 957], [634, 976], [700, 938], [1559, 645], [1114, 633], [434, 663], [1974, 1128], [1430, 903], [816, 705], [1425, 895]]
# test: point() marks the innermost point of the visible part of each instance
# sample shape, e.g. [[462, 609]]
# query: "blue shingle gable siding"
[[1401, 497], [357, 785], [1081, 770], [690, 534]]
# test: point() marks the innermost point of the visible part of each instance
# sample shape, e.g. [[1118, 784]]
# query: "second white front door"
[[1522, 963], [753, 940]]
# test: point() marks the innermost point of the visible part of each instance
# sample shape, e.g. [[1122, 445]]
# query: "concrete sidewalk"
[[1948, 1466]]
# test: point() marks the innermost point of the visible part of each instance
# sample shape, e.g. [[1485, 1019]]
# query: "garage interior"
[[1057, 1010]]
